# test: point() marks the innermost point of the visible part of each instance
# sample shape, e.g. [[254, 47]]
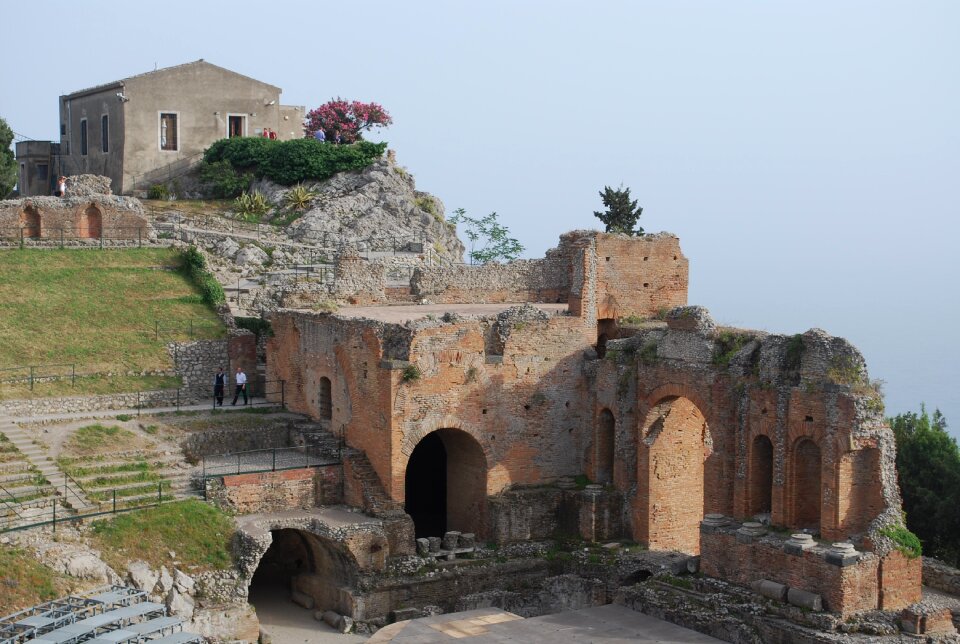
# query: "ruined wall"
[[89, 217], [532, 280], [844, 589], [276, 491], [639, 275]]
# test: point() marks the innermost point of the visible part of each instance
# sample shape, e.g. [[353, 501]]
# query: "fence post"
[[114, 500], [156, 329], [139, 237], [238, 462], [191, 328], [61, 238], [159, 492], [73, 374], [138, 404], [31, 377], [178, 399], [21, 238], [54, 515], [274, 468], [283, 402], [101, 239]]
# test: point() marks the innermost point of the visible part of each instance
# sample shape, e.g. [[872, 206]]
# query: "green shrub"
[[290, 162], [258, 326], [224, 181], [794, 354], [904, 540], [158, 191], [728, 344], [411, 373], [195, 267], [251, 206], [299, 197]]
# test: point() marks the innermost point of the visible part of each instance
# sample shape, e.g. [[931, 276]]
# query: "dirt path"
[[287, 622]]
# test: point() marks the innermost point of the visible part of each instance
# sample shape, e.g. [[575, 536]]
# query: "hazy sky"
[[806, 153]]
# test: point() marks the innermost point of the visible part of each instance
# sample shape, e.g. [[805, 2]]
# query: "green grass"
[[24, 581], [106, 494], [87, 386], [91, 438], [198, 533], [95, 309]]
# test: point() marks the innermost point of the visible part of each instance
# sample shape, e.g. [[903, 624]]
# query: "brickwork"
[[87, 217], [267, 491], [523, 399]]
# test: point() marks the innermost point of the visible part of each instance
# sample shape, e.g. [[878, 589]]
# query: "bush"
[[224, 181], [904, 540], [158, 191], [195, 267], [290, 162]]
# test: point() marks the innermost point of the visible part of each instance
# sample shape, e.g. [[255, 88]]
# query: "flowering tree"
[[349, 118]]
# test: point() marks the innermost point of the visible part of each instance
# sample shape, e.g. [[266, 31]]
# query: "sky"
[[807, 153]]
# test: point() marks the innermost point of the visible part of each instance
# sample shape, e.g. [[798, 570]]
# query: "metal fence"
[[261, 460], [73, 236], [191, 328], [39, 373]]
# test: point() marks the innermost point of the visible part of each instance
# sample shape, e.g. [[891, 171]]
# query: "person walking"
[[219, 382], [241, 381], [61, 187]]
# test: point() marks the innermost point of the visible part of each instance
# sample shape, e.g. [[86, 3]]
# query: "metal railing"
[[194, 329], [273, 459], [67, 514], [38, 373], [62, 236]]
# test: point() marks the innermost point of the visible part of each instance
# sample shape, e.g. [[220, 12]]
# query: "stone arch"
[[31, 222], [605, 446], [760, 489], [90, 223], [675, 475], [296, 559], [445, 484], [325, 399], [806, 485]]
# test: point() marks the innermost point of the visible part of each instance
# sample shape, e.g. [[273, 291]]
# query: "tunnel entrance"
[[301, 562], [445, 485]]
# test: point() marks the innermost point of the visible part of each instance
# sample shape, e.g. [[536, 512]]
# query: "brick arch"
[[445, 483], [89, 222], [678, 473], [678, 390], [412, 437], [805, 483], [31, 221]]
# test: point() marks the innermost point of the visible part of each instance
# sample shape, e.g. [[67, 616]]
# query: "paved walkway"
[[113, 413], [610, 624], [286, 622]]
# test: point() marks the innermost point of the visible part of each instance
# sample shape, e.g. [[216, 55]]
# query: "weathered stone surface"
[[302, 599], [804, 599], [84, 185], [180, 604], [141, 576], [423, 547], [251, 255], [770, 589]]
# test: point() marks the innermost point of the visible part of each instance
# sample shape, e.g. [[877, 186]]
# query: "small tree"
[[8, 161], [622, 214], [497, 244], [349, 118]]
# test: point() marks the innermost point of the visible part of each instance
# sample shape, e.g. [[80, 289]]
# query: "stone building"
[[148, 127], [474, 412]]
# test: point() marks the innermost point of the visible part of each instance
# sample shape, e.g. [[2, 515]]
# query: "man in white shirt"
[[241, 380]]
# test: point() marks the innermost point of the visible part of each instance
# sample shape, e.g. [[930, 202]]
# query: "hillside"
[[105, 315]]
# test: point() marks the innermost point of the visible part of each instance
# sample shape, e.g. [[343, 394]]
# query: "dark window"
[[104, 133], [325, 400], [63, 129], [83, 137], [43, 171], [168, 132]]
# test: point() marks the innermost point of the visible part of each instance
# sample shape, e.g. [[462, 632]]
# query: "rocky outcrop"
[[378, 208], [84, 185]]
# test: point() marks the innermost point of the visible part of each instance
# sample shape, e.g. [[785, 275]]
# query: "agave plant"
[[251, 205], [299, 197]]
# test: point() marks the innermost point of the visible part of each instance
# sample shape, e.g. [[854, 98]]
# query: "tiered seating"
[[116, 614]]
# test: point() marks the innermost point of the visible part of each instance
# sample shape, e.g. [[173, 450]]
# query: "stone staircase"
[[49, 480], [357, 466]]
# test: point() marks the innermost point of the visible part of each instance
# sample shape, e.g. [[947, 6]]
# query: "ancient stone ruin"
[[759, 459]]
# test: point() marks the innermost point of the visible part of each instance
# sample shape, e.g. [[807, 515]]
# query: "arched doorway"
[[303, 562], [90, 223], [606, 330], [30, 221], [761, 475], [325, 399], [445, 484], [678, 445], [605, 446], [806, 485]]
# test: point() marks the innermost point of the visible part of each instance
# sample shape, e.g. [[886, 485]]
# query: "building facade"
[[150, 127]]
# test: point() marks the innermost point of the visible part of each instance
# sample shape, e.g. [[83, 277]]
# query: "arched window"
[[324, 399]]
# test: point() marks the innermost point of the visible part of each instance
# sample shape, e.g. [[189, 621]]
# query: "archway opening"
[[606, 330], [605, 444], [445, 484], [90, 223], [30, 221], [324, 399], [806, 485], [300, 562], [678, 445], [761, 475]]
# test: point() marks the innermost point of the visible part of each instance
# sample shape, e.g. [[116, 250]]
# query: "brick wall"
[[118, 217], [844, 590], [534, 280], [639, 276], [275, 491]]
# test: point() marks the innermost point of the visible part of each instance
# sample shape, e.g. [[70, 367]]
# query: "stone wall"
[[74, 218], [639, 276], [939, 575], [211, 442], [196, 362], [276, 491], [846, 584], [531, 280], [73, 404]]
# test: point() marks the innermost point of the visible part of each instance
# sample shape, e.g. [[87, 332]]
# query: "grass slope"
[[95, 309], [24, 581]]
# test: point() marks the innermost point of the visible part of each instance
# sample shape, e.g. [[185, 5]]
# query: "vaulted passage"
[[761, 475], [678, 446], [301, 561], [806, 485], [445, 484]]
